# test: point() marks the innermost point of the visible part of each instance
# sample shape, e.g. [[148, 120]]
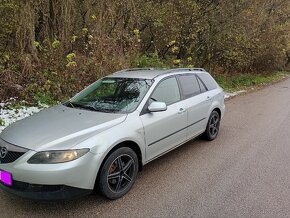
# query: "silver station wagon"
[[104, 135]]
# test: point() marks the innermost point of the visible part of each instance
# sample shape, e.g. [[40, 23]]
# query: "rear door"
[[197, 103], [167, 129]]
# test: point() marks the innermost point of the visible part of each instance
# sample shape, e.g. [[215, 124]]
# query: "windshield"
[[112, 95]]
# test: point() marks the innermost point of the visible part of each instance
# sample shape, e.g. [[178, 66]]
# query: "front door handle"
[[181, 111], [208, 98]]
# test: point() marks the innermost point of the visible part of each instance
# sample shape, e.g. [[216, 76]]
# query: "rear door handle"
[[208, 98]]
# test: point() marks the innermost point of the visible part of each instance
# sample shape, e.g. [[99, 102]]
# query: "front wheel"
[[118, 173], [212, 128]]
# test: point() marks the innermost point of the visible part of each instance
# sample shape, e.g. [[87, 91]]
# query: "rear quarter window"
[[201, 85], [207, 80]]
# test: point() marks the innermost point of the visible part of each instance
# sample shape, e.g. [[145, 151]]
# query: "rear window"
[[189, 85], [208, 81]]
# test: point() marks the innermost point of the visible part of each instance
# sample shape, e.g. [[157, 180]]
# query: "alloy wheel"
[[121, 173], [214, 125]]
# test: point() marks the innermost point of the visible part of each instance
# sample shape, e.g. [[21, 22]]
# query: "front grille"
[[9, 152], [26, 187], [11, 156]]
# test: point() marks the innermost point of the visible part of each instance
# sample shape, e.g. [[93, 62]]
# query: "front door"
[[167, 129]]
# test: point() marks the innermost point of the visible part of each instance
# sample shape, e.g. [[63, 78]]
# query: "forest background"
[[51, 49]]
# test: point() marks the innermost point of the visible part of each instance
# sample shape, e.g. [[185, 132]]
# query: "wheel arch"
[[128, 143], [217, 110]]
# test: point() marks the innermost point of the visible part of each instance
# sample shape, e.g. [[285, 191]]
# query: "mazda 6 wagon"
[[102, 137]]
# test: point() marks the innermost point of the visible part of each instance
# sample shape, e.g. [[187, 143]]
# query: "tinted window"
[[167, 91], [189, 85], [201, 85], [208, 81]]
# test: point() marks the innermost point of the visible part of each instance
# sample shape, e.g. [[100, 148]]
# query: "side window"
[[201, 85], [189, 85], [167, 91], [208, 81]]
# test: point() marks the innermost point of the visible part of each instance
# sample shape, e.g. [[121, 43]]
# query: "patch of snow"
[[11, 115], [228, 95]]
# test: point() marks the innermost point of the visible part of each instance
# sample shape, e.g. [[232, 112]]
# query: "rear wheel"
[[118, 173], [212, 128]]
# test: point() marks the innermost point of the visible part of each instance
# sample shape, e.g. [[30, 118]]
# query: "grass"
[[247, 81]]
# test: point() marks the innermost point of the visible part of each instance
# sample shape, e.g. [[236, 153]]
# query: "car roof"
[[151, 73]]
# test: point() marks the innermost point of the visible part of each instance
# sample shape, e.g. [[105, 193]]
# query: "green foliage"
[[73, 38], [37, 44], [2, 123], [40, 95], [71, 64], [8, 21], [52, 49], [55, 44], [149, 60], [44, 98], [46, 89], [70, 56], [245, 81], [177, 62]]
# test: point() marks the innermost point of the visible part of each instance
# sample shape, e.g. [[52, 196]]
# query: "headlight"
[[53, 157]]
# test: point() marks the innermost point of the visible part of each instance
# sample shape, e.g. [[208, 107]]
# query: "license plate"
[[6, 178]]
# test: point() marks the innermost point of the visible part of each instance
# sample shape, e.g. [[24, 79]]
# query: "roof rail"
[[199, 69], [189, 69], [132, 69], [136, 69]]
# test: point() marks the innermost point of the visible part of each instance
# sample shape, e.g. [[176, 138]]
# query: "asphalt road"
[[245, 172]]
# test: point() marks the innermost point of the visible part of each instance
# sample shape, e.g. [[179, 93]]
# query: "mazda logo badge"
[[3, 152]]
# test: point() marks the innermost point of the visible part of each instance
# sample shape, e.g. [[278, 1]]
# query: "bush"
[[149, 60]]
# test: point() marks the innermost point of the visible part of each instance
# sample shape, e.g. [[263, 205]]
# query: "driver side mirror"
[[157, 107]]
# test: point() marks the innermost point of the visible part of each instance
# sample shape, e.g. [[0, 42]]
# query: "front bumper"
[[45, 192], [52, 181]]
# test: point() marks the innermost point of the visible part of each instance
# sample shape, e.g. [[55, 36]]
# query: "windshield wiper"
[[70, 104], [88, 107], [76, 105], [105, 110]]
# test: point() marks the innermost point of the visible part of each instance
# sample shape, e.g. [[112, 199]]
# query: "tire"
[[118, 173], [212, 128]]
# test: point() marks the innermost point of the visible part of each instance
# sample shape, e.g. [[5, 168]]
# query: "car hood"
[[58, 128]]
